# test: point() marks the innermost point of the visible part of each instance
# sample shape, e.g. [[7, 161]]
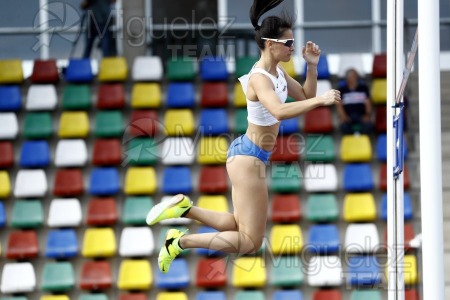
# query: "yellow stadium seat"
[[359, 207], [171, 296], [146, 95], [73, 125], [289, 67], [286, 239], [410, 270], [249, 272], [239, 97], [379, 91], [54, 297], [5, 187], [179, 122], [135, 274], [213, 202], [99, 242], [113, 69], [11, 71], [356, 148], [212, 150], [140, 180]]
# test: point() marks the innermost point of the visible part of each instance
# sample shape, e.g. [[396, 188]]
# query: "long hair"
[[272, 26]]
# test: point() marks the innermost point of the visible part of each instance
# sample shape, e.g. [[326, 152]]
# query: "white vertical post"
[[376, 30], [222, 13], [43, 24], [299, 33], [430, 150]]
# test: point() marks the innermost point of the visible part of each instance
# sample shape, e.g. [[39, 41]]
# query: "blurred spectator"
[[355, 110]]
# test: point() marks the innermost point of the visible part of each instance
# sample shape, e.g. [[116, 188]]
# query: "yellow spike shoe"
[[170, 250], [176, 207]]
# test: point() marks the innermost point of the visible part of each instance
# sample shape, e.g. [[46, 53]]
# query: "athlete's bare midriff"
[[263, 136]]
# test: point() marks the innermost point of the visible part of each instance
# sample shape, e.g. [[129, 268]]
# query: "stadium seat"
[[217, 203], [212, 150], [179, 122], [113, 69], [286, 271], [285, 208], [239, 97], [382, 148], [244, 64], [324, 271], [171, 296], [68, 182], [34, 154], [146, 95], [286, 149], [110, 96], [176, 278], [211, 273], [22, 245], [249, 272], [178, 151], [38, 125], [107, 152], [320, 148], [408, 211], [134, 274], [318, 120], [104, 181], [410, 271], [5, 186], [143, 123], [71, 153], [147, 68], [205, 251], [365, 294], [30, 183], [13, 298], [213, 180], [383, 177], [323, 86], [323, 71], [54, 297], [176, 221], [289, 67], [249, 295], [358, 178], [321, 178], [10, 126], [356, 148], [57, 277], [211, 295], [108, 124], [44, 71], [99, 242], [180, 95], [213, 121], [379, 66], [136, 242], [363, 271], [73, 125], [6, 154], [18, 278], [380, 119], [359, 207], [240, 120], [101, 212], [2, 217], [140, 180], [135, 210], [289, 126], [27, 214], [96, 275], [177, 180], [10, 98], [213, 68], [181, 69], [214, 94], [41, 97], [11, 71], [287, 295], [327, 295], [61, 244], [323, 239], [97, 296], [285, 178], [379, 91], [362, 238], [286, 239], [79, 70], [411, 294], [350, 61], [64, 213]]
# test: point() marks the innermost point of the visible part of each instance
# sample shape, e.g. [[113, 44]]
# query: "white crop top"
[[257, 113]]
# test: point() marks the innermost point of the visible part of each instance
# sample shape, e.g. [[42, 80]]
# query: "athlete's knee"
[[251, 244]]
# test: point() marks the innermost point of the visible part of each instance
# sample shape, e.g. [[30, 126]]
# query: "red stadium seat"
[[111, 96], [409, 234], [286, 149], [211, 273], [213, 180], [318, 120], [379, 66], [411, 294], [134, 296], [22, 245], [96, 275], [45, 71], [286, 208], [380, 119], [383, 177], [107, 152], [68, 182], [143, 123], [214, 94], [6, 154], [101, 212], [327, 295]]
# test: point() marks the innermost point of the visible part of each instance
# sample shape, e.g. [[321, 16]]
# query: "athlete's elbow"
[[279, 115]]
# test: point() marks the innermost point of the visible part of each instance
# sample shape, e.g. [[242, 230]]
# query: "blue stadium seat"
[[287, 295], [211, 295], [323, 71], [213, 68], [204, 251], [177, 180], [104, 181], [289, 126], [79, 70], [363, 271], [323, 239], [10, 98], [382, 148], [2, 215], [180, 95], [407, 207], [213, 121], [176, 278], [61, 243], [358, 178], [35, 154]]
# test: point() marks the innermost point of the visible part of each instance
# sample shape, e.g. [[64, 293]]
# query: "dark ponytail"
[[271, 27]]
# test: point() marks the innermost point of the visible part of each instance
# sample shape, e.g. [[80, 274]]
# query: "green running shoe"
[[176, 207], [170, 249]]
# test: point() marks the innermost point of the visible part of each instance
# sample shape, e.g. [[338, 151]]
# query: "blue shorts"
[[244, 146]]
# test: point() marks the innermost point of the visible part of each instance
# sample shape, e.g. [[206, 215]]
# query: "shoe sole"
[[158, 209]]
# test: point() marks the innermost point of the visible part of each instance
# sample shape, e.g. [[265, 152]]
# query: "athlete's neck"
[[267, 63]]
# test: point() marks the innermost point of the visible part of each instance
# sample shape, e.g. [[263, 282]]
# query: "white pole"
[[43, 23], [299, 34], [376, 30], [430, 150], [222, 13]]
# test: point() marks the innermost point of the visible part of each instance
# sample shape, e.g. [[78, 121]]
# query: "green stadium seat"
[[38, 125], [322, 208], [244, 65], [93, 297], [286, 271], [76, 97], [57, 277], [13, 298], [249, 295], [320, 148], [240, 120], [142, 151], [365, 295], [135, 210], [27, 214], [285, 178], [181, 69], [108, 124]]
